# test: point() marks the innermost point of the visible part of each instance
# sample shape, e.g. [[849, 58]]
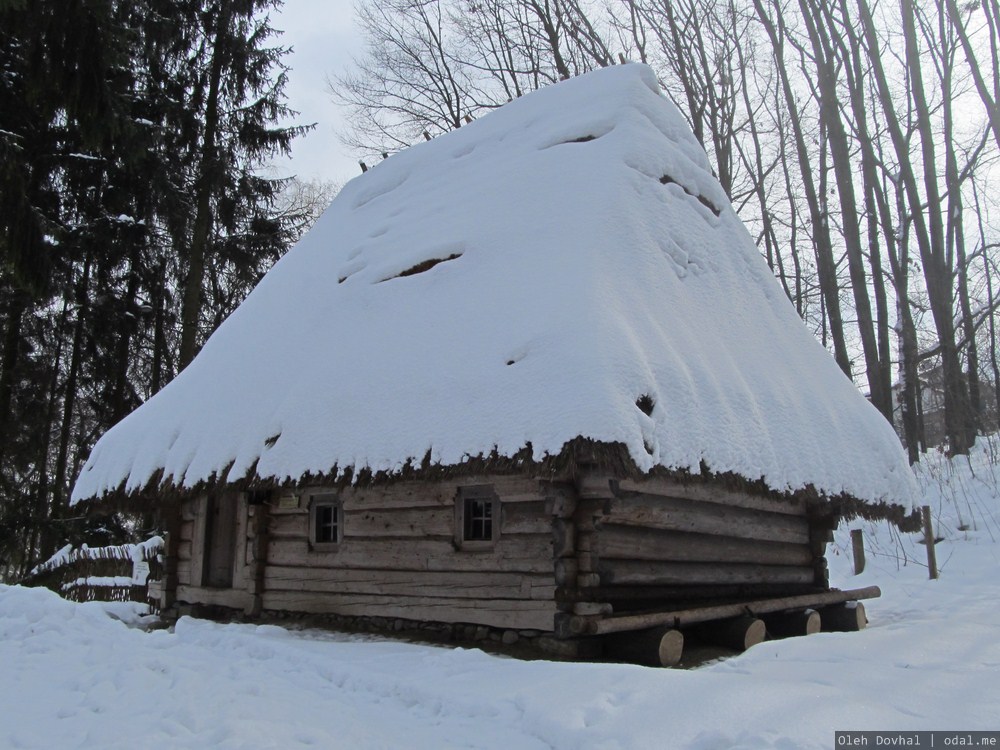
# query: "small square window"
[[477, 516], [325, 520]]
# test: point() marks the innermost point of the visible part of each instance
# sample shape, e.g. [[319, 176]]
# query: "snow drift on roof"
[[565, 266]]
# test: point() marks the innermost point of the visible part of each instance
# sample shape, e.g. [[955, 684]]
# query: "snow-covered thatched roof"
[[556, 269]]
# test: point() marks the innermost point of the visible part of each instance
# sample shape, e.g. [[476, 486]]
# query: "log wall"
[[398, 557], [658, 544]]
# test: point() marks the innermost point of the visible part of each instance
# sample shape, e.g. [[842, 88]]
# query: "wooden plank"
[[499, 613], [667, 573], [639, 543], [464, 585], [240, 568], [189, 509], [233, 598], [186, 530], [674, 514], [526, 554], [712, 493], [197, 553], [185, 552]]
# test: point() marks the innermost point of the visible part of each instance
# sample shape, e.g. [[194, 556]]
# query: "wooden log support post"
[[932, 568], [655, 647], [790, 624], [739, 633], [858, 549], [845, 617], [257, 568], [171, 543]]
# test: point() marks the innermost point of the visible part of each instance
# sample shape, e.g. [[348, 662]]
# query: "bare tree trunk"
[[991, 99], [826, 265], [840, 151], [929, 234], [59, 488], [12, 343]]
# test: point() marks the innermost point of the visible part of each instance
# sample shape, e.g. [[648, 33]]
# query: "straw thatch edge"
[[577, 456]]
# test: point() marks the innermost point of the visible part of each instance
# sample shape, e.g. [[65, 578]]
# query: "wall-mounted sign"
[[288, 502]]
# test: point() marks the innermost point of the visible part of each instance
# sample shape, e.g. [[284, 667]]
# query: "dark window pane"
[[326, 523], [478, 520]]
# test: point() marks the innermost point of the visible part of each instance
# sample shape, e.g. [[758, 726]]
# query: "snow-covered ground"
[[76, 675]]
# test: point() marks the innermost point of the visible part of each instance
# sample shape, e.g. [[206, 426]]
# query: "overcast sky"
[[323, 37]]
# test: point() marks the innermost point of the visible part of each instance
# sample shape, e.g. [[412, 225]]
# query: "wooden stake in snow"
[[929, 540], [858, 546]]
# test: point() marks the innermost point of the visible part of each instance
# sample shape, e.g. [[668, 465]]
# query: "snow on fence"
[[119, 572]]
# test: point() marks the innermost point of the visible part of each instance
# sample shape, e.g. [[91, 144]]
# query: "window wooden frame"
[[318, 503], [470, 500]]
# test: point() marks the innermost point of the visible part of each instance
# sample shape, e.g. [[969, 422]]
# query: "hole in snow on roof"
[[421, 267], [668, 180], [645, 403], [593, 135]]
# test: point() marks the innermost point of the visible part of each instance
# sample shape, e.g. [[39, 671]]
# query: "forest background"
[[858, 140]]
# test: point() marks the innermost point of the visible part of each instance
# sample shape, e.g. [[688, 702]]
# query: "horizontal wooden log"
[[655, 647], [694, 573], [410, 522], [232, 598], [185, 531], [673, 514], [713, 493], [184, 550], [524, 518], [523, 554], [465, 585], [849, 616], [680, 618], [739, 633], [400, 523], [678, 596], [499, 613], [639, 543], [791, 624]]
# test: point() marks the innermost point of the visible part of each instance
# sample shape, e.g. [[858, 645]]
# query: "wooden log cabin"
[[530, 378]]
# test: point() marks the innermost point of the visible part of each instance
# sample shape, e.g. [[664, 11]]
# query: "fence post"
[[858, 546], [929, 540]]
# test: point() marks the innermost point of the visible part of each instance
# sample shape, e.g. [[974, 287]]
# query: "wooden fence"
[[118, 573]]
